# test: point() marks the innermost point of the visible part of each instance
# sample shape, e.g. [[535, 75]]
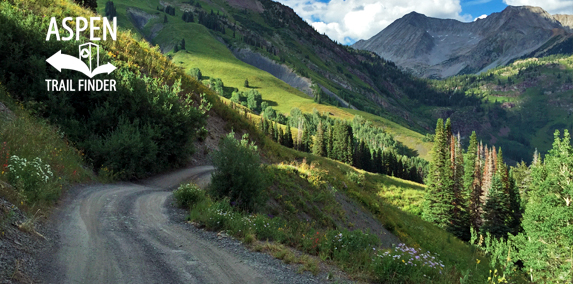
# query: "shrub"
[[238, 173], [188, 195], [355, 177], [196, 73], [29, 177], [163, 120]]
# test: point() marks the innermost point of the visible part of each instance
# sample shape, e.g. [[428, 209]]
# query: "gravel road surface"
[[130, 233]]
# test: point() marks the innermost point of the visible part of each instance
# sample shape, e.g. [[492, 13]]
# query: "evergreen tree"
[[280, 136], [305, 140], [366, 157], [319, 147], [495, 211], [164, 19], [330, 142], [349, 145], [547, 250], [176, 48], [377, 161], [275, 132], [88, 4], [183, 44], [460, 223], [522, 175], [110, 11], [438, 198], [472, 182], [188, 17], [289, 141], [246, 83], [271, 130], [487, 175], [263, 125], [515, 208]]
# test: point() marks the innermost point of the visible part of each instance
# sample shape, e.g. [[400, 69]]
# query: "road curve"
[[121, 233]]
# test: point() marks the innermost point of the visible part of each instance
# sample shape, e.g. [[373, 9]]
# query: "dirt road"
[[121, 233]]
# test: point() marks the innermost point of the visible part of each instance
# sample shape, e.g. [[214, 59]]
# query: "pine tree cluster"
[[211, 21], [474, 190], [188, 17], [368, 148], [169, 10]]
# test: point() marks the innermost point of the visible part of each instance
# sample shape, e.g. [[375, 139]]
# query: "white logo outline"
[[64, 61]]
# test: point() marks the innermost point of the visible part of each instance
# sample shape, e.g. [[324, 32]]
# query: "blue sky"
[[347, 21], [477, 8]]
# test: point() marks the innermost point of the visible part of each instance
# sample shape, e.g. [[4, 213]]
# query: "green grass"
[[457, 256], [295, 193], [25, 136], [215, 60]]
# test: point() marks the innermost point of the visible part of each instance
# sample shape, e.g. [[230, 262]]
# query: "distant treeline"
[[357, 143]]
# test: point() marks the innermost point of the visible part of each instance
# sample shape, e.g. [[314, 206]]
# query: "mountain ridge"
[[439, 48]]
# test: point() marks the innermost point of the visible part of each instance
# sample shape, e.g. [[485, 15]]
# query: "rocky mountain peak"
[[439, 48]]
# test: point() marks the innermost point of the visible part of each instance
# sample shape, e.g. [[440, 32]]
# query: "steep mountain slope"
[[439, 48], [531, 99], [276, 34], [236, 40]]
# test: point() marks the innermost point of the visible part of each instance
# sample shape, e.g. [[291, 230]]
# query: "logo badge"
[[64, 61]]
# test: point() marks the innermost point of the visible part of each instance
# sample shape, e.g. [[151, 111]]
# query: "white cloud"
[[551, 6], [480, 17], [349, 20]]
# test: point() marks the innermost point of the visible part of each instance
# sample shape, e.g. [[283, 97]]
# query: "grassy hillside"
[[37, 163], [404, 105], [206, 50], [314, 181]]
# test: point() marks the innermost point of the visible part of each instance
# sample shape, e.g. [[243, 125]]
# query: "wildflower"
[[478, 261]]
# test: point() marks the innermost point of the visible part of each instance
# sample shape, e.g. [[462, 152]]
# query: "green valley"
[[328, 160]]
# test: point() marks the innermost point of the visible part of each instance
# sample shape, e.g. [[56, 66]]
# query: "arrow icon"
[[106, 68], [63, 61]]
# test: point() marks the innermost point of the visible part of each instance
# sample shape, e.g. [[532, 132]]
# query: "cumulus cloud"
[[551, 6], [349, 20]]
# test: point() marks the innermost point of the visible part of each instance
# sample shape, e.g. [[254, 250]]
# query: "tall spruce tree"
[[472, 181], [271, 130], [319, 147], [289, 141], [496, 211], [460, 223], [522, 175], [281, 136], [515, 208], [438, 198], [330, 142]]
